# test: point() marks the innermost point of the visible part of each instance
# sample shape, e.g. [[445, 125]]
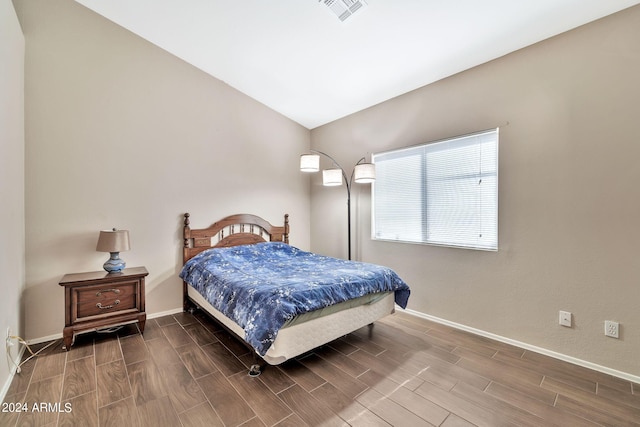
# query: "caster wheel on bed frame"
[[255, 370], [189, 307]]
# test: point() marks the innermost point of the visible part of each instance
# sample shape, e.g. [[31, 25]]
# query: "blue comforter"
[[261, 286]]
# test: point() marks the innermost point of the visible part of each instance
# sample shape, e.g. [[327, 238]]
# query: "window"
[[441, 193]]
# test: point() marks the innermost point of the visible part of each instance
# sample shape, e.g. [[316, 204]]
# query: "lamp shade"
[[310, 163], [364, 173], [331, 177], [113, 241]]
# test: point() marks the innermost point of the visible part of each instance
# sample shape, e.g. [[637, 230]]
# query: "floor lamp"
[[363, 173]]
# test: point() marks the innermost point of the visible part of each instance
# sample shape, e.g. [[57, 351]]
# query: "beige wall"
[[12, 259], [569, 205], [121, 134]]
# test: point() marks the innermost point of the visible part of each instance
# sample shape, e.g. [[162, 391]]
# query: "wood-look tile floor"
[[185, 371]]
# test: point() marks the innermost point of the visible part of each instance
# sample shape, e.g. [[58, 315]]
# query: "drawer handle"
[[104, 307], [115, 291]]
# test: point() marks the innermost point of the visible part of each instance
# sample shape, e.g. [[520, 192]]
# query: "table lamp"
[[113, 241]]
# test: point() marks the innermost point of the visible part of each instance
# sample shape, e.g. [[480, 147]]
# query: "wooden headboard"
[[234, 230]]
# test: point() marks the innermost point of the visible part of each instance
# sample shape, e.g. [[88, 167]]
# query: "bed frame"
[[243, 229]]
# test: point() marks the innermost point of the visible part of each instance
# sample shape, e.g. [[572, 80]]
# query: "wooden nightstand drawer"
[[101, 300]]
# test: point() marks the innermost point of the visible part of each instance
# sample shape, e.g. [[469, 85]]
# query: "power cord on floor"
[[9, 343]]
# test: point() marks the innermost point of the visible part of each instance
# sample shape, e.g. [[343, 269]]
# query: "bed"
[[279, 300]]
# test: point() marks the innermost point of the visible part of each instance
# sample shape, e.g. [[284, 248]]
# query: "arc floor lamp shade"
[[364, 173], [310, 163], [332, 177]]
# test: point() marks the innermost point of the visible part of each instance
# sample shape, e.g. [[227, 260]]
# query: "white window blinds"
[[443, 193]]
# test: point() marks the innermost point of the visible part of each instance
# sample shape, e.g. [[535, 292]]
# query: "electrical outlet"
[[7, 340], [611, 329], [565, 319]]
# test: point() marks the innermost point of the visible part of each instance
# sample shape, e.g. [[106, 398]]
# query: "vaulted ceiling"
[[300, 59]]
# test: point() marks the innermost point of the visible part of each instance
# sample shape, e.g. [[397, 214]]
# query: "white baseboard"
[[7, 383], [45, 339], [585, 364], [164, 313]]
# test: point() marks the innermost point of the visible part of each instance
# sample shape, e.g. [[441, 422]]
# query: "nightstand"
[[98, 300]]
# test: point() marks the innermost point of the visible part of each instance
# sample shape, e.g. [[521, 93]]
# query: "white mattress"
[[295, 340]]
